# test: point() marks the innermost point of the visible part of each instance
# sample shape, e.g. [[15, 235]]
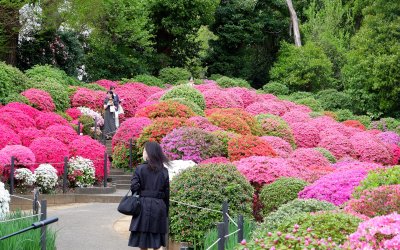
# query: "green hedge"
[[186, 92], [173, 75], [12, 81]]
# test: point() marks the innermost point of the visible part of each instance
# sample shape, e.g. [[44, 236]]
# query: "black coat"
[[154, 213]]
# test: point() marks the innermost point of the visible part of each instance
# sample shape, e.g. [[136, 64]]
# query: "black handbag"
[[130, 205]]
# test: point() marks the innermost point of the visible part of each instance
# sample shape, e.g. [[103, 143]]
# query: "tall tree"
[[294, 23]]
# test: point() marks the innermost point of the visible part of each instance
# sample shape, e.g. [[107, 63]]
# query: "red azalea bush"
[[273, 125], [130, 129], [305, 134], [248, 145], [267, 107], [338, 145], [368, 148], [201, 122], [247, 96], [106, 83], [296, 116], [219, 99], [165, 109], [395, 151], [89, 148], [214, 160], [8, 137], [354, 124], [281, 147], [26, 109], [24, 157], [88, 98], [303, 158], [40, 99], [27, 135], [74, 113], [230, 122], [336, 187], [15, 119], [378, 201], [65, 134], [50, 150], [46, 119]]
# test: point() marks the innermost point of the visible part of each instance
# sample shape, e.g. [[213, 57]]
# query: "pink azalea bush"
[[156, 96], [281, 147], [303, 158], [50, 150], [305, 134], [389, 137], [215, 160], [207, 85], [106, 83], [247, 96], [267, 107], [15, 119], [368, 148], [381, 233], [296, 116], [46, 119], [88, 98], [219, 99], [89, 148], [201, 122], [339, 145], [65, 134], [130, 129], [352, 164], [130, 99], [24, 157], [27, 135], [74, 113], [40, 99], [8, 137], [191, 144], [336, 187], [26, 109]]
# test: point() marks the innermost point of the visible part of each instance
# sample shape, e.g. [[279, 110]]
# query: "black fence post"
[[79, 128], [35, 206], [240, 227], [221, 236], [130, 155], [105, 169], [65, 175], [43, 216], [225, 208], [95, 128], [12, 175]]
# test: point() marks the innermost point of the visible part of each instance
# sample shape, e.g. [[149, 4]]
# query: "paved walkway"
[[88, 226]]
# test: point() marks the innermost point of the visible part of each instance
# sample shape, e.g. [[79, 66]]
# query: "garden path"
[[89, 226]]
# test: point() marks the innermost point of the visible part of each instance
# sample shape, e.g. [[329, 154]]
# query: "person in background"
[[109, 115], [151, 181], [118, 108]]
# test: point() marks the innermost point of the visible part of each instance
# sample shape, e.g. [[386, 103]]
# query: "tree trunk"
[[9, 22], [295, 22]]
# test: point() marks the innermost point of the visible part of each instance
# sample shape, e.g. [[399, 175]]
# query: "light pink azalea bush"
[[8, 137], [280, 146], [389, 137], [207, 85], [336, 187], [46, 119], [215, 160], [381, 233], [106, 83], [23, 156], [247, 96], [351, 164], [219, 99], [303, 158], [65, 134], [40, 99], [368, 148], [305, 134]]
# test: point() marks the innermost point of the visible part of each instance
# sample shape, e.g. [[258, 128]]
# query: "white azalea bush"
[[81, 172], [4, 201], [93, 114], [24, 177], [46, 178], [177, 166]]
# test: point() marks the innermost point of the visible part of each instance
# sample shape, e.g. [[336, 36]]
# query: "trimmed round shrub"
[[305, 134], [303, 158], [291, 209], [94, 86], [227, 82], [224, 137], [165, 109], [267, 107], [368, 148], [28, 110], [58, 92], [23, 156], [248, 145], [191, 144], [39, 99], [201, 122], [216, 98], [40, 73], [276, 88], [230, 122], [193, 106], [27, 135], [336, 187], [339, 145], [46, 119], [386, 124], [327, 154], [280, 192], [12, 81], [64, 134], [121, 156], [381, 232], [130, 129], [273, 125], [186, 92], [15, 119], [50, 150], [281, 147], [88, 98], [364, 119], [173, 75], [378, 201], [310, 102], [89, 148], [331, 99], [148, 80], [206, 186]]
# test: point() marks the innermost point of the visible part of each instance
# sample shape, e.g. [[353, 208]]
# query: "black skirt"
[[146, 240]]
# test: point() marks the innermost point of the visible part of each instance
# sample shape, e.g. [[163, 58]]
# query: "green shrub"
[[207, 186], [12, 81], [39, 73], [120, 156], [344, 115], [310, 102], [186, 92], [87, 123], [58, 92], [364, 119], [64, 115], [377, 178], [227, 82], [331, 99], [276, 88], [328, 155], [305, 68], [173, 75], [291, 209], [323, 224], [316, 114], [280, 192], [146, 79], [224, 137], [299, 95], [14, 97], [190, 104], [215, 76], [94, 86], [386, 124], [274, 125]]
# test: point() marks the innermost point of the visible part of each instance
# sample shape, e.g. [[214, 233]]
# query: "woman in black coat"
[[151, 180]]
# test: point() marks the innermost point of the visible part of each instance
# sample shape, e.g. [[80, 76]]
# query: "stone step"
[[123, 186], [117, 171], [121, 177], [123, 182]]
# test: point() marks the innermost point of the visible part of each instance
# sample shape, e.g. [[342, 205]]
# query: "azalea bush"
[[23, 156], [389, 137], [131, 99], [46, 178], [15, 119], [94, 114], [175, 167], [165, 109], [216, 98], [191, 144], [4, 201], [386, 124], [186, 92], [46, 119], [354, 124], [279, 192], [65, 134], [81, 172], [226, 82], [8, 137], [24, 178], [26, 109], [305, 134], [281, 147], [339, 145], [276, 88], [173, 75], [303, 158], [202, 123], [40, 99], [206, 186], [130, 129], [215, 160], [248, 145], [275, 126], [327, 154], [368, 148], [148, 80], [296, 116], [230, 122], [58, 92], [27, 135], [88, 98], [246, 95], [74, 113], [121, 156], [267, 107], [107, 84]]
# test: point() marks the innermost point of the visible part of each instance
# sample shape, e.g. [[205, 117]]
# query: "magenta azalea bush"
[[15, 119], [202, 123], [220, 99], [130, 129], [40, 99], [296, 116], [303, 158], [27, 135], [247, 96], [26, 109], [215, 160], [305, 134], [336, 187], [352, 164], [281, 147], [88, 98], [267, 107], [46, 119], [8, 137], [74, 113], [65, 134], [191, 144], [131, 99], [106, 83]]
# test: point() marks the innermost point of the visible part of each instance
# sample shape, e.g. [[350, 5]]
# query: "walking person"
[[151, 181], [118, 107], [109, 115]]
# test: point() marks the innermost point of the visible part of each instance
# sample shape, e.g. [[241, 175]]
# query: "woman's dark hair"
[[155, 156], [110, 92]]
